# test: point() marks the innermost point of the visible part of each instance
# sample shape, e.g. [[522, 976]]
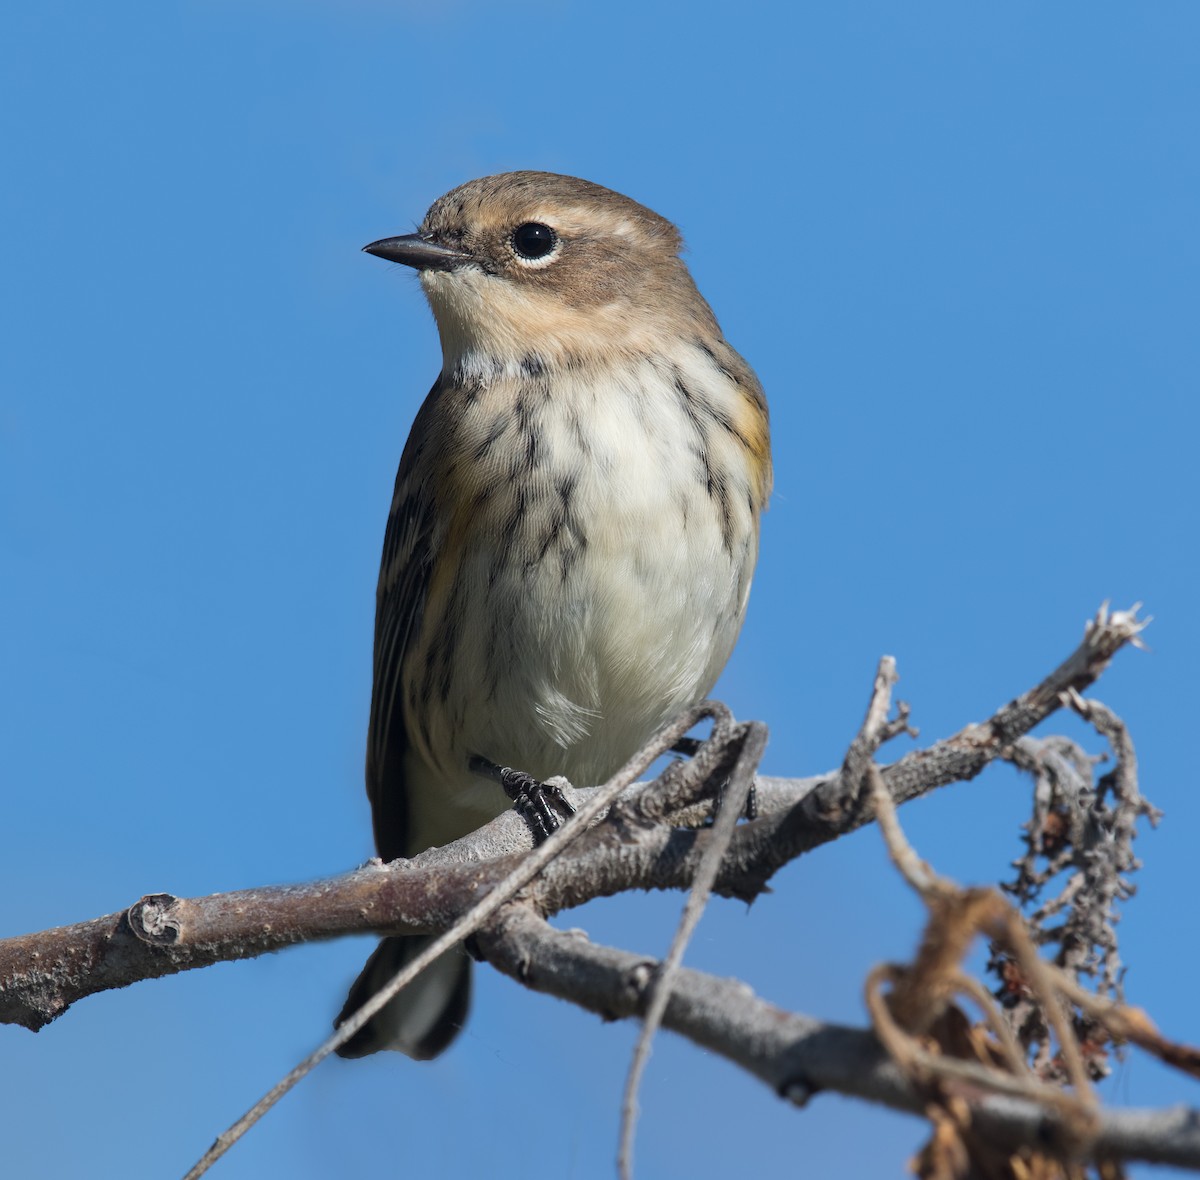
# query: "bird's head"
[[536, 263]]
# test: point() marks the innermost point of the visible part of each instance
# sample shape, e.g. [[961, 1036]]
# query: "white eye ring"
[[534, 244]]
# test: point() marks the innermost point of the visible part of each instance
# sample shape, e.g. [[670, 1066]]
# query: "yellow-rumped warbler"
[[573, 531]]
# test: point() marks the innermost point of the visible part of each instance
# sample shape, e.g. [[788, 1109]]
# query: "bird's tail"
[[425, 1017]]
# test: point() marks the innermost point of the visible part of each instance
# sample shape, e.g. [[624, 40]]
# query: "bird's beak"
[[416, 251]]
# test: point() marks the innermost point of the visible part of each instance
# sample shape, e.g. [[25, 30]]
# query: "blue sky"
[[958, 243]]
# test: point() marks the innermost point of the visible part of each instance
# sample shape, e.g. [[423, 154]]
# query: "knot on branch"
[[156, 919], [636, 983], [799, 1091]]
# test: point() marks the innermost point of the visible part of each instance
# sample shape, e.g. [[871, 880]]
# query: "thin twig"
[[1040, 976], [876, 729], [970, 986], [966, 753], [911, 867], [753, 740], [1126, 1023]]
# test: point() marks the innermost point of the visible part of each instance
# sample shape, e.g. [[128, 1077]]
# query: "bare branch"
[[796, 1055], [42, 974], [835, 806]]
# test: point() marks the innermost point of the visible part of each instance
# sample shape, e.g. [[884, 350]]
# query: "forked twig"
[[876, 729]]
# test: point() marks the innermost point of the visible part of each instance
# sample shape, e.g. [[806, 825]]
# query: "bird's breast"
[[597, 529]]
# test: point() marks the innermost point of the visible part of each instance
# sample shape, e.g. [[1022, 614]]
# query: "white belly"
[[600, 594]]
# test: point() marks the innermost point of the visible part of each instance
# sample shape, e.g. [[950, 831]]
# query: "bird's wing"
[[404, 573]]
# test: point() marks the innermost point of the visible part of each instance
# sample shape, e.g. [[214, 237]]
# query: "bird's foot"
[[543, 806]]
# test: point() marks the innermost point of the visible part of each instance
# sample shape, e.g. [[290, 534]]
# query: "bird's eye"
[[533, 240]]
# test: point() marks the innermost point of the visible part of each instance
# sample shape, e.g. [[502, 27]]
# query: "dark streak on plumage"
[[580, 436], [492, 664], [718, 489], [471, 387], [508, 535], [682, 501], [721, 368], [570, 555], [550, 538], [689, 406], [529, 458], [722, 419], [427, 674], [447, 644], [495, 433], [696, 409]]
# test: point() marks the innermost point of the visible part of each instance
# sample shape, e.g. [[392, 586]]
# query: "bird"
[[572, 535]]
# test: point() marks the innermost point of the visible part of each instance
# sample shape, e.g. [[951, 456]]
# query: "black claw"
[[749, 811], [541, 805]]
